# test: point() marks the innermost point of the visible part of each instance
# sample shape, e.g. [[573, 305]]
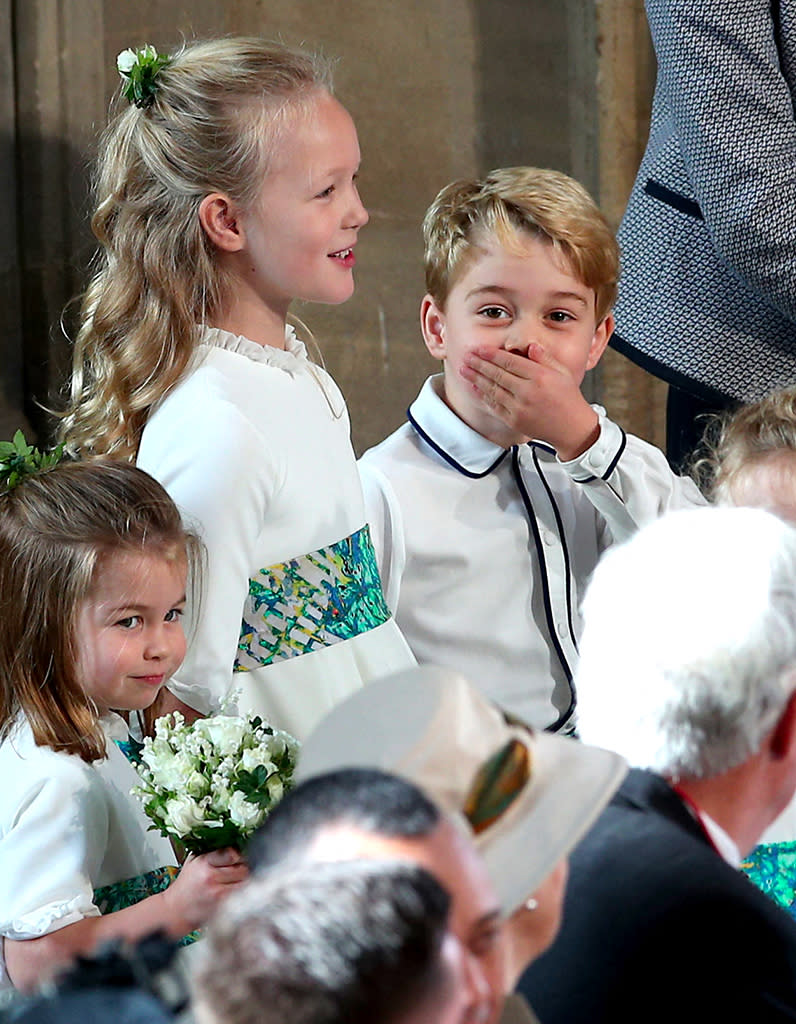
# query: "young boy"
[[491, 506]]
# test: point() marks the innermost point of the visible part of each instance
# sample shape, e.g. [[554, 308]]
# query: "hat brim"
[[388, 723]]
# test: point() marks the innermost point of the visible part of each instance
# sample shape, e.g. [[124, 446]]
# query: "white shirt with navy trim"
[[484, 552]]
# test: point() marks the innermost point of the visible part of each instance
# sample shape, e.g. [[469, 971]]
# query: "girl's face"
[[130, 638], [300, 234]]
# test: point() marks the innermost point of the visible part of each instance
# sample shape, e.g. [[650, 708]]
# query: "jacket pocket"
[[682, 204]]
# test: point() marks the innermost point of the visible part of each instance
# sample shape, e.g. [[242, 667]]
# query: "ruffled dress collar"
[[295, 351]]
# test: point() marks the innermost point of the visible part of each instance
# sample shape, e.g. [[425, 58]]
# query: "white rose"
[[126, 61], [243, 813], [257, 756], [183, 814], [224, 732], [173, 772], [275, 787], [196, 784]]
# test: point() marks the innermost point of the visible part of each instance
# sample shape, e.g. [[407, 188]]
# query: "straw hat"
[[528, 796]]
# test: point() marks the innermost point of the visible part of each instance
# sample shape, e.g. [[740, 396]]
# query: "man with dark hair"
[[347, 942], [366, 813]]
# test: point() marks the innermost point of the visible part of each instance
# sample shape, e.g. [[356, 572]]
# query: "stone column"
[[59, 106], [626, 78]]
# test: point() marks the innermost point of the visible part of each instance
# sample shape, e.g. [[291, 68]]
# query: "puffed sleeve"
[[55, 832], [719, 64], [220, 473]]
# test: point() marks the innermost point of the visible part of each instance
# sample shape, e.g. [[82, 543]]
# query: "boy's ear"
[[783, 737], [220, 220], [432, 324], [601, 338]]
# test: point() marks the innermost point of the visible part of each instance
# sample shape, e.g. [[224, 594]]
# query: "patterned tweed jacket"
[[708, 293]]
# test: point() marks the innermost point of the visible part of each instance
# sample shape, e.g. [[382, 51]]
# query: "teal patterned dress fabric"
[[772, 868], [310, 602]]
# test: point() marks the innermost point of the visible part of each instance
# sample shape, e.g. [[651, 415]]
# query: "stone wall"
[[438, 89]]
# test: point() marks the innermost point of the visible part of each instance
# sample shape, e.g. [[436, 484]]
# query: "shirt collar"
[[461, 446], [725, 845]]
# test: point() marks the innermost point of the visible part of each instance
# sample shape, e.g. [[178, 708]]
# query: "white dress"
[[73, 841], [254, 447]]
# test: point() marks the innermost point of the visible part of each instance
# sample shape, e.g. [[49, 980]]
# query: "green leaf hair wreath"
[[19, 460], [139, 70]]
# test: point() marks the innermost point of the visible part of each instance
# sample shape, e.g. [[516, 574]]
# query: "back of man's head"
[[368, 800], [688, 655], [350, 942]]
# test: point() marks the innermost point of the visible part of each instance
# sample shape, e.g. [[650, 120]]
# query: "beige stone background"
[[438, 89]]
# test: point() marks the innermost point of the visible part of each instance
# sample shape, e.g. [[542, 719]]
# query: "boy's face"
[[509, 298]]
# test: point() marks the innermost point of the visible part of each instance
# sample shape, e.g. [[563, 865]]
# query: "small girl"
[[229, 191], [93, 564], [752, 462]]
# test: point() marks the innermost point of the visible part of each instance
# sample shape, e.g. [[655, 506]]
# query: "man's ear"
[[432, 324], [783, 736], [221, 222], [601, 338]]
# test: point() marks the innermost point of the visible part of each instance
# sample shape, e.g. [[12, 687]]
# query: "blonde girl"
[[228, 193], [93, 563]]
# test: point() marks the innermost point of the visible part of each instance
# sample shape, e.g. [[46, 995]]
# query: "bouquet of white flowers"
[[212, 783]]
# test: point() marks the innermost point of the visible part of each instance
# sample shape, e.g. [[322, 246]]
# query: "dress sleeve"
[[719, 66], [629, 482], [221, 474], [51, 850], [383, 513]]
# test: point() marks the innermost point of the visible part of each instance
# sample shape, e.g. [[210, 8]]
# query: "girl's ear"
[[598, 343], [221, 222], [432, 324]]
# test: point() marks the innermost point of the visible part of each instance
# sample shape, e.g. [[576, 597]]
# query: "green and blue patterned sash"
[[119, 895], [311, 602], [772, 868]]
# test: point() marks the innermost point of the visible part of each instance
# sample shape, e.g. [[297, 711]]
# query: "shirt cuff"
[[599, 461]]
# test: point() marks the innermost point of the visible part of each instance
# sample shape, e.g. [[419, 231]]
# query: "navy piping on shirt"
[[617, 457], [564, 717], [562, 538], [449, 458]]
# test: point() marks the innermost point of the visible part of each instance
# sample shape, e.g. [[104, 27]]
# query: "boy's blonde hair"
[[56, 528], [213, 125], [741, 442], [507, 203]]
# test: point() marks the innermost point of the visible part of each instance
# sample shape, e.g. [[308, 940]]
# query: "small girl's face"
[[130, 638], [301, 232]]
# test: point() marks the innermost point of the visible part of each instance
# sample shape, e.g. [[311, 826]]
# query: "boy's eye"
[[560, 316], [493, 312], [326, 192], [174, 615]]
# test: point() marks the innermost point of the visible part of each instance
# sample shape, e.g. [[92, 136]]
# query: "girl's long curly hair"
[[213, 126]]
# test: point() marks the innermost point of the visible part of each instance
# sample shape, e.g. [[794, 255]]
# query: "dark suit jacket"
[[707, 298], [657, 927]]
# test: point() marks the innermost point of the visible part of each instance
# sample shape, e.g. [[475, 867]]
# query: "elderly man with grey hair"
[[688, 668]]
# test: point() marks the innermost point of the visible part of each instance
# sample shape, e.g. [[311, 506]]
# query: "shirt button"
[[593, 460], [563, 631], [548, 538]]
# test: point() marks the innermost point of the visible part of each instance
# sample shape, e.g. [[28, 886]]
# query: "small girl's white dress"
[[73, 840], [254, 447]]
